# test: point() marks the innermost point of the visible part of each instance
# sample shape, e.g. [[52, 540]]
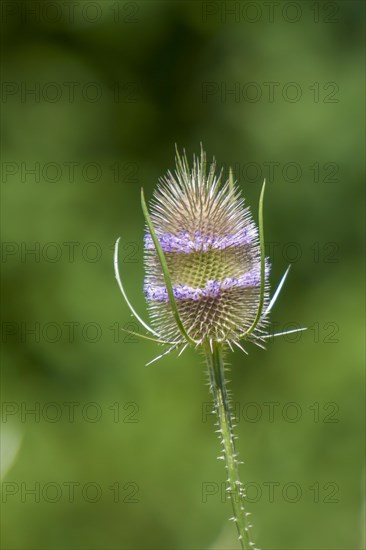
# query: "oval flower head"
[[206, 285], [213, 256], [206, 272]]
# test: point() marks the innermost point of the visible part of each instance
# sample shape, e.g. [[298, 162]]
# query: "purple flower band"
[[211, 289], [183, 242]]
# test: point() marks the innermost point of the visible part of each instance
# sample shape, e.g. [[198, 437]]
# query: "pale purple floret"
[[211, 289], [183, 242]]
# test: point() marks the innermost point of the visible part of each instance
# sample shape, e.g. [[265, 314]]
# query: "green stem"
[[215, 364]]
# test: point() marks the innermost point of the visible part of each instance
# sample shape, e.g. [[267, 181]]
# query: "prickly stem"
[[215, 363]]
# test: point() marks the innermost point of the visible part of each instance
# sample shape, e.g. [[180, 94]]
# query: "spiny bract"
[[212, 250]]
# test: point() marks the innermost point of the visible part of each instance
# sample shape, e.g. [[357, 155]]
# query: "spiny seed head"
[[212, 250]]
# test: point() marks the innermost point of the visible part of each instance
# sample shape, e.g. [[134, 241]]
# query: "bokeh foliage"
[[162, 73]]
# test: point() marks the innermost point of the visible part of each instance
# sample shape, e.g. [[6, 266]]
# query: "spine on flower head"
[[212, 250]]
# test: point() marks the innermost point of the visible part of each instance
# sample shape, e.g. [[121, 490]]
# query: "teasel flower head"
[[206, 275], [212, 251]]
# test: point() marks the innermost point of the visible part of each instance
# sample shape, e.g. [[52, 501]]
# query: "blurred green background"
[[117, 455]]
